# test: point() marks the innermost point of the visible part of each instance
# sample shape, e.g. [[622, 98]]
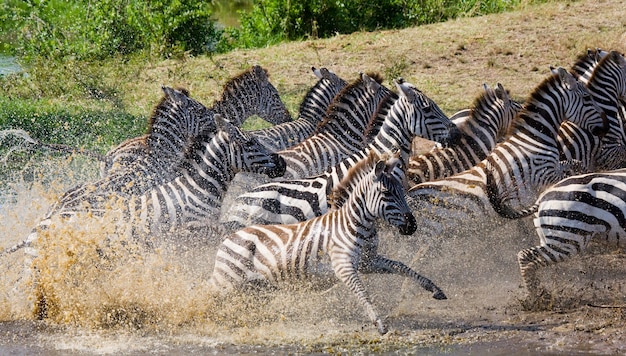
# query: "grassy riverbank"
[[97, 105]]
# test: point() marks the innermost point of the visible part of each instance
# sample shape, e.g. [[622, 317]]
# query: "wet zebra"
[[343, 131], [196, 194], [281, 253], [519, 168], [481, 128], [292, 200], [312, 111], [177, 119], [570, 214]]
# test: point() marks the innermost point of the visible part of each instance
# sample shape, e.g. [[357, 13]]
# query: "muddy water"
[[118, 296]]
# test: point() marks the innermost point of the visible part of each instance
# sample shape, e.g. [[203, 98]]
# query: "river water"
[[8, 65], [109, 297]]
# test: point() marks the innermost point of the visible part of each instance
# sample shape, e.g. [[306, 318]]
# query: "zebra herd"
[[346, 161]]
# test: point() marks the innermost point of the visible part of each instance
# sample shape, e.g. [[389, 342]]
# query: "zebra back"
[[312, 111], [482, 127], [342, 131]]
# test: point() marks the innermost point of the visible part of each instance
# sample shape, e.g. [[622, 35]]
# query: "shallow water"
[[118, 296], [8, 65]]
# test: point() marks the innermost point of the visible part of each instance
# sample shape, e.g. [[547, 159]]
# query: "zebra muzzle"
[[409, 226], [280, 167]]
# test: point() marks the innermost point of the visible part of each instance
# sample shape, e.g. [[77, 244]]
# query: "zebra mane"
[[341, 192], [255, 73], [328, 117], [163, 105], [530, 105], [377, 119]]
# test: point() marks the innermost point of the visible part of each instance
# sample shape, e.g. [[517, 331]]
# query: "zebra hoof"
[[439, 295], [540, 301], [382, 329]]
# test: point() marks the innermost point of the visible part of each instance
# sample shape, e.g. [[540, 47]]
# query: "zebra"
[[177, 120], [343, 130], [523, 165], [194, 195], [293, 200], [481, 127], [312, 111], [280, 253], [570, 214]]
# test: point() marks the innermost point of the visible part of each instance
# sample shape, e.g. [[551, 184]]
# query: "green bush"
[[272, 21], [100, 29]]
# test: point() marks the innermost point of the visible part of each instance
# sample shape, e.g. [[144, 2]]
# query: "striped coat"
[[277, 253]]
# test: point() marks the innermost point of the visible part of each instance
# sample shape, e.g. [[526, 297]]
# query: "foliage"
[[56, 29], [272, 21], [71, 125]]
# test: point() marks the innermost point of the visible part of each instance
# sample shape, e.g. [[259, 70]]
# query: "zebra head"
[[389, 196], [250, 93], [577, 104], [247, 154], [269, 106], [422, 117]]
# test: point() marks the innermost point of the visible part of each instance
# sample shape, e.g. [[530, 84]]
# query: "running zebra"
[[178, 119], [312, 111], [481, 127], [519, 168], [195, 195], [281, 253], [570, 214], [288, 201], [343, 130]]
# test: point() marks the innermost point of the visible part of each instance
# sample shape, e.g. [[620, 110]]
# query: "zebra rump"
[[570, 214]]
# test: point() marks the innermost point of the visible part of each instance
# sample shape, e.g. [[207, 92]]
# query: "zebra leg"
[[558, 241], [529, 261], [347, 273], [380, 264]]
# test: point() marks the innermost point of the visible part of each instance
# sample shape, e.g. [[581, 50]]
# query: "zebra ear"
[[379, 170], [260, 73], [502, 93], [566, 78], [405, 89], [317, 72], [371, 84]]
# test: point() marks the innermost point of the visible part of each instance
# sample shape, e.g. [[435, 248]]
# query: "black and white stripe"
[[178, 119], [312, 111], [289, 201], [521, 167], [481, 128], [343, 131], [279, 253], [570, 214]]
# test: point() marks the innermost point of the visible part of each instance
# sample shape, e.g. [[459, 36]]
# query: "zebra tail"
[[496, 201]]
